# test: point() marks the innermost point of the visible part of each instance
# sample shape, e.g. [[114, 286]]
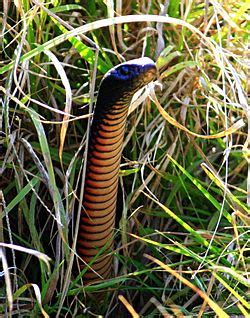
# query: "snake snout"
[[150, 73]]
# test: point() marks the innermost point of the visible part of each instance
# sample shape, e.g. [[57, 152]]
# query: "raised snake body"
[[96, 228]]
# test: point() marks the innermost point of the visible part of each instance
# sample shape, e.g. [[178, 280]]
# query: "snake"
[[95, 240]]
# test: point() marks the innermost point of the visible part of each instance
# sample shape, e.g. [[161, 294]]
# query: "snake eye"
[[124, 71]]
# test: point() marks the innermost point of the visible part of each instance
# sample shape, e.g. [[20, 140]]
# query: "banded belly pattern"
[[96, 228]]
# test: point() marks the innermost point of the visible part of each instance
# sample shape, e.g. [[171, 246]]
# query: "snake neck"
[[97, 223]]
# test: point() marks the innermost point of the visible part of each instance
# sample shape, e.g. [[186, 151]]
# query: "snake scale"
[[96, 229]]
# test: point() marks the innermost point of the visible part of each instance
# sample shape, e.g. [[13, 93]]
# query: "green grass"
[[183, 237]]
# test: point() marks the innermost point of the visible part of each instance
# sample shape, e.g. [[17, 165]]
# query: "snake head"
[[125, 79]]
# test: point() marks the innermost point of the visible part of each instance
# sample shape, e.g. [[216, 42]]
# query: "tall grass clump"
[[182, 235]]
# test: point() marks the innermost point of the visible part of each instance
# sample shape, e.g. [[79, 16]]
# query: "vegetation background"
[[182, 240]]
